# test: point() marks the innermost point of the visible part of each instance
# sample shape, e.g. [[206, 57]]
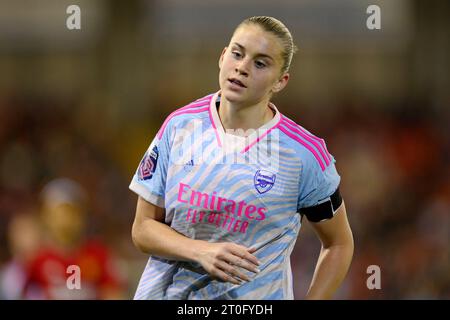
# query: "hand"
[[220, 259]]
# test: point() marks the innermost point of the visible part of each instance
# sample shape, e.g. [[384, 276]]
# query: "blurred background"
[[78, 109]]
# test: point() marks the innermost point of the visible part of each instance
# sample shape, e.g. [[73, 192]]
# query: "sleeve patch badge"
[[147, 166]]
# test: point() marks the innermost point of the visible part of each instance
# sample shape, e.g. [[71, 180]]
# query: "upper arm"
[[334, 231], [146, 210]]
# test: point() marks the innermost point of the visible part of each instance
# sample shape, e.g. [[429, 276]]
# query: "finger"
[[232, 271], [251, 250], [225, 277], [236, 260], [251, 258], [243, 253], [249, 266]]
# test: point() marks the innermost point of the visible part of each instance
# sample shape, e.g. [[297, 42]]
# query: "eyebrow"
[[258, 55]]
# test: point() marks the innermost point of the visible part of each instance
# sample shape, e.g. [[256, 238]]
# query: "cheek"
[[221, 75], [227, 63], [225, 69], [264, 83]]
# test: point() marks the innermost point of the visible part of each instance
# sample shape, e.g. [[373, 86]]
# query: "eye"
[[236, 54], [260, 64]]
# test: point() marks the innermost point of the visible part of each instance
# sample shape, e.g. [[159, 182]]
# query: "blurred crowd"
[[394, 165], [64, 200]]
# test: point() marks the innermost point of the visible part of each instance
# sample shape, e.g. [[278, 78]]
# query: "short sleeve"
[[317, 185], [149, 180]]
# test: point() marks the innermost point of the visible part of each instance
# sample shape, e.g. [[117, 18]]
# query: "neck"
[[236, 117]]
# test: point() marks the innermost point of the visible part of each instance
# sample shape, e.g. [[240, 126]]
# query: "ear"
[[221, 57], [281, 83]]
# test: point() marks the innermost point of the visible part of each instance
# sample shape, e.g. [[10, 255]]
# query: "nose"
[[242, 67]]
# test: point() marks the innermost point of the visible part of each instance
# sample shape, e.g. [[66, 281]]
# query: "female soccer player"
[[225, 184]]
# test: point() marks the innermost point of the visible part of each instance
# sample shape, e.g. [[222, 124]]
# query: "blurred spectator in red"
[[64, 219]]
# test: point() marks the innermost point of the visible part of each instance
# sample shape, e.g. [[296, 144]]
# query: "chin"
[[232, 96]]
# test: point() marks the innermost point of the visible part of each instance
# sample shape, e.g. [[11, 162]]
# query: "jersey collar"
[[245, 143]]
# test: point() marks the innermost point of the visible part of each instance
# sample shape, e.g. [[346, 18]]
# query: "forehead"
[[258, 41]]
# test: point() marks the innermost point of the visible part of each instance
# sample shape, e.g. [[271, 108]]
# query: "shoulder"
[[311, 149], [182, 116]]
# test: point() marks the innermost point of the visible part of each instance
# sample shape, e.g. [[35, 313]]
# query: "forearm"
[[156, 238], [331, 269]]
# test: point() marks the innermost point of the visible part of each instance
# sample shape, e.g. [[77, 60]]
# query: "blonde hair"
[[277, 28]]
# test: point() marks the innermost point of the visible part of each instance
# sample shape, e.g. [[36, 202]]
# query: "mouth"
[[237, 82]]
